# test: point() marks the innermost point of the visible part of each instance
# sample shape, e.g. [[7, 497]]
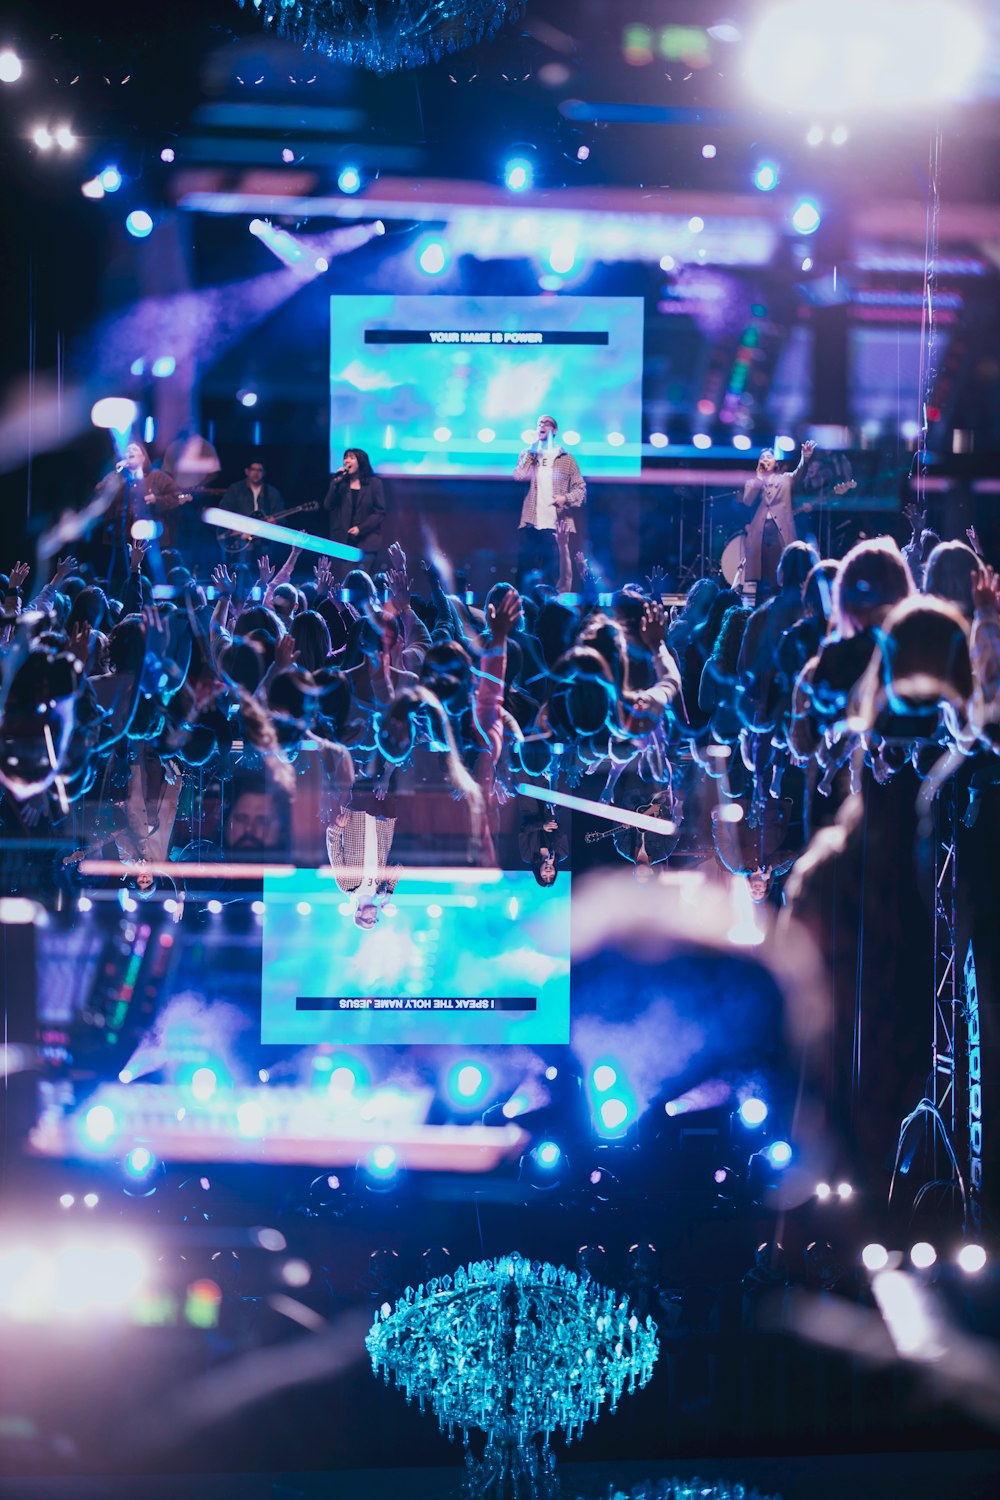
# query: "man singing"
[[555, 489]]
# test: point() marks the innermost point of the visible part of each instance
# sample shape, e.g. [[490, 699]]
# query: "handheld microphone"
[[121, 466], [339, 474]]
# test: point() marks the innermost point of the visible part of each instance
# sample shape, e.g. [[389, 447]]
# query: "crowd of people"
[[151, 715]]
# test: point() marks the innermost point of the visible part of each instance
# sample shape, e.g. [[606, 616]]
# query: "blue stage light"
[[110, 179], [349, 180], [139, 224], [766, 177], [382, 1163], [753, 1112], [204, 1082], [614, 1114], [164, 366], [548, 1155], [100, 1124], [519, 174], [467, 1085], [805, 216], [139, 1162], [433, 258], [779, 1153], [604, 1077]]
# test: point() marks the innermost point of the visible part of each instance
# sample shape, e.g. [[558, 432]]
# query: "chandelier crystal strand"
[[385, 35], [518, 1350]]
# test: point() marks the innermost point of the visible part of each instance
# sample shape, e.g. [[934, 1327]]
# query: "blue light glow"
[[604, 1077], [349, 180], [753, 1112], [100, 1124], [383, 1162], [779, 1154], [139, 224], [805, 216], [110, 180], [433, 258], [519, 174], [139, 1161], [766, 177], [548, 1155], [164, 366], [467, 1084], [614, 1114]]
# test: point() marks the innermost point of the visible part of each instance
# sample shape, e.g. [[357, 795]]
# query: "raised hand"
[[18, 574], [974, 542], [808, 448], [323, 575], [64, 568], [656, 582], [986, 589], [79, 641], [399, 588], [916, 517], [224, 581], [397, 557], [653, 627], [266, 572], [136, 554], [285, 654]]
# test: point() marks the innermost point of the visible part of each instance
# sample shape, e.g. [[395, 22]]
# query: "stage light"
[[164, 366], [468, 1083], [215, 907], [753, 1112], [110, 179], [741, 441], [139, 1162], [614, 1113], [838, 135], [708, 152], [258, 908], [100, 1124], [923, 1255], [66, 1200], [433, 258], [349, 180], [167, 154], [779, 1154], [139, 224], [616, 439], [247, 398], [814, 135], [874, 1257], [548, 1155], [570, 438], [785, 444], [90, 1200], [696, 224], [11, 66], [823, 1191], [562, 255], [66, 139], [304, 908], [701, 440], [844, 1191], [604, 1077], [382, 1162], [659, 439], [807, 263], [43, 138], [519, 174], [766, 177], [84, 904], [204, 1082], [322, 264], [972, 1259], [250, 1118], [805, 217], [485, 435], [551, 1072], [92, 189]]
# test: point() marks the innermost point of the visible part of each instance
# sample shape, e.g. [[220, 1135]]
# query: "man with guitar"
[[253, 496]]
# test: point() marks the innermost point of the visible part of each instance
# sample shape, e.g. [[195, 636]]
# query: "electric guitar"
[[236, 544]]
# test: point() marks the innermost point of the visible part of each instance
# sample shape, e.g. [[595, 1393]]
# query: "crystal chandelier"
[[518, 1350], [386, 34]]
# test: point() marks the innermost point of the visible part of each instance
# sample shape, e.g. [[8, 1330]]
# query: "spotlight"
[[304, 908], [823, 1191], [349, 180], [247, 398], [766, 177], [433, 258], [250, 1119], [383, 1163], [741, 441], [442, 434], [604, 1077], [548, 1155], [467, 1085], [551, 1072], [844, 1191], [167, 154], [66, 1200], [65, 138], [92, 189], [100, 1124], [702, 440], [785, 444], [614, 1113], [215, 907], [658, 439], [708, 152], [139, 1161], [11, 66], [322, 264], [972, 1259], [753, 1112], [562, 256], [43, 138], [779, 1154], [923, 1255], [696, 224], [84, 904], [875, 1257], [805, 216], [485, 435], [519, 174], [838, 135], [110, 179], [583, 153], [667, 263], [814, 135], [139, 224], [90, 1200], [807, 263], [164, 366], [204, 1082]]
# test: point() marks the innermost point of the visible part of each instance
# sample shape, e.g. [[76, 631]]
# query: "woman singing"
[[357, 506], [772, 525]]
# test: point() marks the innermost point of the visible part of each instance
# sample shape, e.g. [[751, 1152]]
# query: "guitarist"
[[249, 496]]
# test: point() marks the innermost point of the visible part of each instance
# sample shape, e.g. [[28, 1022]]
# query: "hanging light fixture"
[[386, 34]]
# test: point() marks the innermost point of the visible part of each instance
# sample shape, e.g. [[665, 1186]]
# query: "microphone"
[[340, 472], [121, 466]]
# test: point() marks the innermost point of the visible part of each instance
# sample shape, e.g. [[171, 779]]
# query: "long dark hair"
[[365, 470]]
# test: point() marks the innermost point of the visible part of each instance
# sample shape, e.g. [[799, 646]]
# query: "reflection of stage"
[[281, 1126]]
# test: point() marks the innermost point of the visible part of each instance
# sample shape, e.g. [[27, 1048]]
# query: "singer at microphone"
[[355, 503], [556, 489]]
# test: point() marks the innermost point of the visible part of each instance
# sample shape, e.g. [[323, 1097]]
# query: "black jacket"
[[363, 508], [239, 497]]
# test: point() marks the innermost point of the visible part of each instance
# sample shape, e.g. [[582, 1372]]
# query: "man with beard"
[[258, 818]]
